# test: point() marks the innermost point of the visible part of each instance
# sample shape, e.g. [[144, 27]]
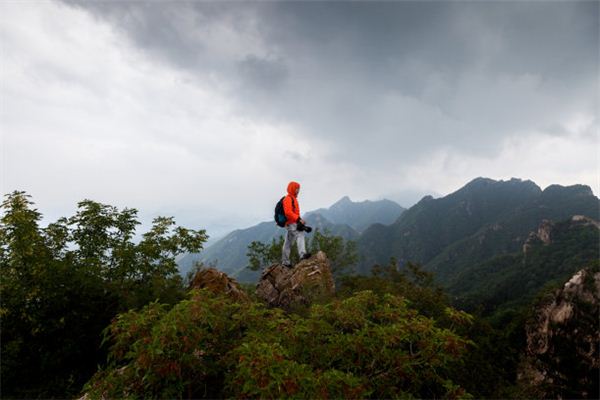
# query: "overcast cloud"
[[205, 111]]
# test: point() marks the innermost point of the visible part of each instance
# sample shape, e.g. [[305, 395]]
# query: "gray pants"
[[292, 235]]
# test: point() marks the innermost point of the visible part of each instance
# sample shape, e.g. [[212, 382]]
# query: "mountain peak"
[[583, 190], [343, 201], [360, 214], [482, 183], [425, 199]]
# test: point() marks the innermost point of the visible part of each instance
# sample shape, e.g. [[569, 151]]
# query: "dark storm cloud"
[[262, 74], [383, 81]]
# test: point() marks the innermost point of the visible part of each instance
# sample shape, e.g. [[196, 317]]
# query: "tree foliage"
[[209, 346], [511, 282], [488, 368], [62, 284]]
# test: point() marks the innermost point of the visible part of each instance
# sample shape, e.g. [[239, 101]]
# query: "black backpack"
[[280, 218]]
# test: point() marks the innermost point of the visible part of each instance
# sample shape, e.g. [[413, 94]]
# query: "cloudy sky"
[[205, 110]]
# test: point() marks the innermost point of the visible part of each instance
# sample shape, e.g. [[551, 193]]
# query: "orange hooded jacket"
[[291, 209]]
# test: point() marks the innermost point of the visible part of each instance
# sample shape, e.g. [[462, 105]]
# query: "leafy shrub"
[[208, 346]]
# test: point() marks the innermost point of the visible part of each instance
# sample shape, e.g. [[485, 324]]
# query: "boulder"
[[219, 283], [307, 281]]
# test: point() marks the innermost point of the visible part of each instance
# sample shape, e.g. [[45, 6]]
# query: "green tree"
[[411, 281], [261, 255], [341, 253], [61, 285]]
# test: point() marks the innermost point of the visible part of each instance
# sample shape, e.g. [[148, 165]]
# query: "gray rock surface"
[[563, 341], [307, 281]]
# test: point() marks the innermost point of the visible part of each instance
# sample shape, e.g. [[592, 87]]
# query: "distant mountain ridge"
[[432, 224], [344, 218], [483, 219], [361, 215]]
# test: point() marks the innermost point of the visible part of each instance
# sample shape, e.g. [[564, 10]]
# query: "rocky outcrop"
[[546, 232], [583, 220], [307, 281], [218, 282], [563, 339], [543, 235]]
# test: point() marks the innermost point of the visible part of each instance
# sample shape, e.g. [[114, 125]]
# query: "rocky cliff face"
[[309, 280], [563, 339]]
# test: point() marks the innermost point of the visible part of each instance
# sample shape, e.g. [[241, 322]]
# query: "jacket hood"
[[291, 189]]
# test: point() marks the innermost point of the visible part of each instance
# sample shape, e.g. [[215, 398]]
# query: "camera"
[[303, 228]]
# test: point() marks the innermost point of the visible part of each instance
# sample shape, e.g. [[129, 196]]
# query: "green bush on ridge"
[[209, 346]]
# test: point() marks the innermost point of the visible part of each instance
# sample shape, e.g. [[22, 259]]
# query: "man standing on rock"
[[294, 225]]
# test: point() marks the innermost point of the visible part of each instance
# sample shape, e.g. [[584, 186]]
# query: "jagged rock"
[[563, 341], [218, 282], [309, 280]]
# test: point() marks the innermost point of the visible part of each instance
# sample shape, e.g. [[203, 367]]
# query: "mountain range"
[[448, 235], [360, 215], [483, 219]]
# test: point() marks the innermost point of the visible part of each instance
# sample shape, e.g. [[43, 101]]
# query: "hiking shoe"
[[306, 256], [289, 266]]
